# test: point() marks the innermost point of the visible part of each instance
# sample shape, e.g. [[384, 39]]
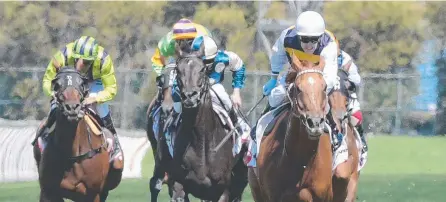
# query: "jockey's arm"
[[329, 53], [238, 70], [164, 49], [51, 71], [157, 62], [278, 58], [108, 80], [353, 75]]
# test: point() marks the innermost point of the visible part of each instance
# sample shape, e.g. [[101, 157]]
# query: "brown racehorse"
[[74, 163], [295, 159], [346, 175]]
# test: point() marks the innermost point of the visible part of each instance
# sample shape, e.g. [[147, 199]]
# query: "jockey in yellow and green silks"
[[96, 64]]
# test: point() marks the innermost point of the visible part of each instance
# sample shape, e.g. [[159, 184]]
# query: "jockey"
[[345, 62], [164, 59], [307, 40], [218, 61], [97, 65]]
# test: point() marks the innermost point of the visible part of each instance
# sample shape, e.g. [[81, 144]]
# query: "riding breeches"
[[95, 87]]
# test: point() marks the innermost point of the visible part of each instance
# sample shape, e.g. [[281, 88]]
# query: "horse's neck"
[[198, 123], [65, 133], [297, 140]]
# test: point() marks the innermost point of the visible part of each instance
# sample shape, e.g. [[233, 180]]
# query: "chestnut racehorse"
[[294, 162], [346, 175]]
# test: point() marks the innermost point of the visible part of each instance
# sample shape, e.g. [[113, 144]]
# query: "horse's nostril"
[[310, 122]]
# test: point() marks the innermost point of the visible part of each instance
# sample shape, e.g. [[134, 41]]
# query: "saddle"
[[277, 112], [94, 122]]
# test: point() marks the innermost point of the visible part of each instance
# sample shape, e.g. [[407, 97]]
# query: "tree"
[[382, 37], [437, 19]]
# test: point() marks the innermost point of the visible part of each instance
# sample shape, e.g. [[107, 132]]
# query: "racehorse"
[[294, 162], [160, 157], [197, 168], [74, 164], [346, 175]]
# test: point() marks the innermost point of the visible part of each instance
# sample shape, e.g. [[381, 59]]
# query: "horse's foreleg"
[[156, 182], [178, 194], [45, 197], [305, 195], [224, 197], [352, 187], [155, 188], [341, 179], [254, 184], [97, 198], [104, 195]]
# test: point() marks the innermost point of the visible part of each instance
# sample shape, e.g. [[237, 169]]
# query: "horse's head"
[[307, 94], [339, 98], [191, 75], [70, 89]]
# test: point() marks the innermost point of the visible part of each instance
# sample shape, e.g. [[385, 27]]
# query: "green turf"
[[399, 169]]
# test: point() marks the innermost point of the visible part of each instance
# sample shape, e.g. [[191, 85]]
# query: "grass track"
[[399, 169]]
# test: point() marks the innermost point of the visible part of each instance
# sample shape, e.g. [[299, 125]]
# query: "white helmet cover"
[[210, 47], [310, 23]]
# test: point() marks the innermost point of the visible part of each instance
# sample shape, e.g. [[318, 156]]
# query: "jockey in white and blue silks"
[[218, 61], [308, 40]]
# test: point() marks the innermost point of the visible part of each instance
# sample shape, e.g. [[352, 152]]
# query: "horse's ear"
[[296, 64], [200, 51], [178, 50]]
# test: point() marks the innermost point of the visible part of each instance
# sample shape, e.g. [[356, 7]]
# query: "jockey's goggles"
[[309, 39]]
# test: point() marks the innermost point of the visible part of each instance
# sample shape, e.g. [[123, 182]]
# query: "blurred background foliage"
[[382, 37]]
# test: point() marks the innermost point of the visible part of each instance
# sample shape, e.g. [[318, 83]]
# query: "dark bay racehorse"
[[75, 162], [295, 159], [160, 154], [196, 168], [346, 175]]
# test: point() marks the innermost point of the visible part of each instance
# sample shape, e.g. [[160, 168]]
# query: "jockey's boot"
[[241, 125], [117, 151], [361, 135]]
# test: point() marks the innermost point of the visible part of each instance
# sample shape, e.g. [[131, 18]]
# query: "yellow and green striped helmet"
[[85, 48]]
